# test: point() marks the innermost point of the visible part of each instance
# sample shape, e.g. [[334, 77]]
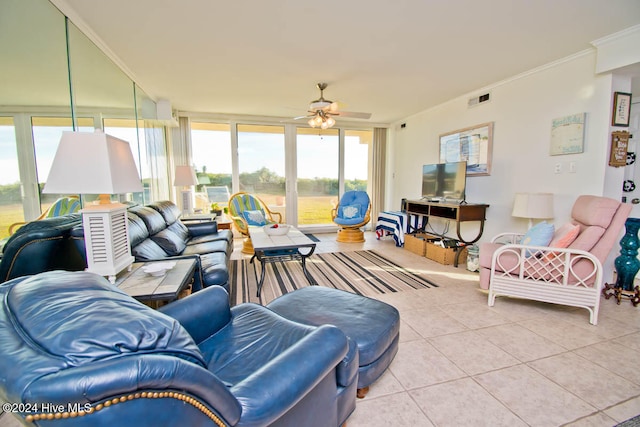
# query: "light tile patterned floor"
[[519, 363]]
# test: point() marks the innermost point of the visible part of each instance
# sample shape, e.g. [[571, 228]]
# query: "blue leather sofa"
[[40, 246], [156, 233], [77, 351]]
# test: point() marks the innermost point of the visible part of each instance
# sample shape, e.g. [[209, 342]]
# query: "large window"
[[356, 159], [211, 154], [261, 164], [11, 210], [318, 170], [47, 132], [297, 171], [126, 130]]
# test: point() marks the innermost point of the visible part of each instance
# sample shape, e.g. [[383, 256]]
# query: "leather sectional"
[[155, 232]]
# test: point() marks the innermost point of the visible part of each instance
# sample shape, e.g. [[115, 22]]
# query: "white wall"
[[522, 109]]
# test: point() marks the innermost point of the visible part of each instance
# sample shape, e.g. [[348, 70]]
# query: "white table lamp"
[[533, 206], [186, 177], [97, 163]]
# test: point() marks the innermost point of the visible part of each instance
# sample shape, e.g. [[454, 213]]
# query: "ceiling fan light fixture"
[[322, 120]]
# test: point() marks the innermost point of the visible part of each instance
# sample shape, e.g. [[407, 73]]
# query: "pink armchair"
[[562, 275]]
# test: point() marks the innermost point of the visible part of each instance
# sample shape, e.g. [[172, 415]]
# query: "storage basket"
[[444, 256]]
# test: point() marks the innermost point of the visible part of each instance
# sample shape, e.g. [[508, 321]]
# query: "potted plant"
[[215, 208]]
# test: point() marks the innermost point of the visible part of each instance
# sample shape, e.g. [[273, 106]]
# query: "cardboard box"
[[444, 256], [416, 242]]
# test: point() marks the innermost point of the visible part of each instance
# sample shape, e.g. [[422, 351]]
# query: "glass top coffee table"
[[292, 246]]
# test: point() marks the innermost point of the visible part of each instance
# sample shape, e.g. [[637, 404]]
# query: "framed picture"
[[621, 109], [567, 134], [472, 144]]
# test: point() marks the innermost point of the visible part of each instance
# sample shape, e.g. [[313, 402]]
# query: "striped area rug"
[[361, 272]]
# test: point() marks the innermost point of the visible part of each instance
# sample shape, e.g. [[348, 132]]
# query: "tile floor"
[[519, 363]]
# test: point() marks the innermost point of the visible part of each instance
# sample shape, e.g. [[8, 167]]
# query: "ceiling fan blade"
[[352, 114], [300, 117], [334, 107]]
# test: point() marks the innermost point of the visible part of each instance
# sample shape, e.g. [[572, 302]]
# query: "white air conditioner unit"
[[165, 114]]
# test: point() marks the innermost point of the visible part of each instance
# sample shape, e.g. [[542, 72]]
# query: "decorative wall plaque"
[[619, 146]]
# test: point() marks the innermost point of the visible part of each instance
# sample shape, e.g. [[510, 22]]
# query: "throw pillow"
[[565, 235], [538, 235], [255, 218], [350, 211]]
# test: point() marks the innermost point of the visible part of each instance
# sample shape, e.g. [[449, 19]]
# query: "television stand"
[[458, 212]]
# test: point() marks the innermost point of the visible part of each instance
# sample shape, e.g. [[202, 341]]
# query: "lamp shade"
[[185, 176], [92, 163], [533, 205]]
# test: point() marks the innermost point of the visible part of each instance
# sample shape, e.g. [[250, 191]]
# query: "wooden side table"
[[157, 291]]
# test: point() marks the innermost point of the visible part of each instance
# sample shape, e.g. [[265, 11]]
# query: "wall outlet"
[[558, 168]]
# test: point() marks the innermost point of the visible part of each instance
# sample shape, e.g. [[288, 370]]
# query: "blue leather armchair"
[[77, 351]]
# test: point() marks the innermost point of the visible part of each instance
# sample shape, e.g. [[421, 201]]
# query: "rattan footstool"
[[372, 324]]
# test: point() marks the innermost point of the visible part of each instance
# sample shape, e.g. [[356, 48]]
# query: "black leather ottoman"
[[372, 324]]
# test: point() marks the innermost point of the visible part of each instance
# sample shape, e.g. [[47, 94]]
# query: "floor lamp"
[[97, 163]]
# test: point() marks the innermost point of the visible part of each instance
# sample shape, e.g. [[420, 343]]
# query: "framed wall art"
[[472, 144], [567, 134], [621, 109]]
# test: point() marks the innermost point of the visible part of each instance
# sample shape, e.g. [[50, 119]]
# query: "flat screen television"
[[444, 181]]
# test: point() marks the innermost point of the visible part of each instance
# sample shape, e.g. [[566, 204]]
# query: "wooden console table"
[[458, 212]]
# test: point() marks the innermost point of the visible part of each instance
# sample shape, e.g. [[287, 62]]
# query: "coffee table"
[[268, 248], [155, 290]]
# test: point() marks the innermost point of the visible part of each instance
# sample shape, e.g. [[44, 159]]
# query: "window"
[[47, 132], [211, 154], [11, 210], [261, 161], [318, 175]]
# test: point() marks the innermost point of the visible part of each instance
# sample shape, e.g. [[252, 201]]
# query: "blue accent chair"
[[352, 213], [78, 351]]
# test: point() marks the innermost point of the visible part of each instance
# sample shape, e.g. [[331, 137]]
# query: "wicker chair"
[[247, 210], [62, 206], [567, 275]]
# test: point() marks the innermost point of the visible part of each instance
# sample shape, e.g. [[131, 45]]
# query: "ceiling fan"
[[321, 111]]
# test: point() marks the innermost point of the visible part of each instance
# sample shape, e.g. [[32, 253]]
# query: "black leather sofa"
[[156, 233]]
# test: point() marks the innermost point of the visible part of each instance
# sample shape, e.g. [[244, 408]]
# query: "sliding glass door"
[[318, 173], [11, 210], [297, 171], [212, 160], [261, 164]]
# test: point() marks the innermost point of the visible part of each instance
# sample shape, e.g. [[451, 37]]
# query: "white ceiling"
[[389, 58]]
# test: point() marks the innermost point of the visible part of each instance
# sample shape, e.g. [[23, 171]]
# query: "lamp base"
[[619, 293], [106, 236], [187, 202]]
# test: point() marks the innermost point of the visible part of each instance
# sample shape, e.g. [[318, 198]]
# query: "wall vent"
[[477, 100]]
